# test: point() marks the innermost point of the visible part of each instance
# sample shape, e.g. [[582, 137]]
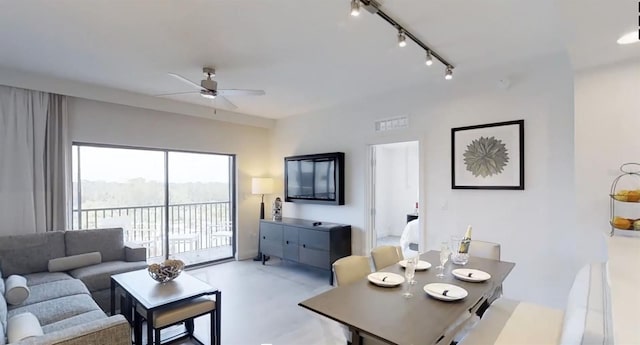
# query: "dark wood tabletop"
[[385, 314]]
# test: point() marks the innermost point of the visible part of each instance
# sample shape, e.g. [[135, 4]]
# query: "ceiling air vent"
[[392, 124]]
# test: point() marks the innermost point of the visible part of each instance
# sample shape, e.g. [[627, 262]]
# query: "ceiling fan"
[[208, 88]]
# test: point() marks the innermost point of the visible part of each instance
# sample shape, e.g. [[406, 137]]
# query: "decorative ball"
[[166, 271]]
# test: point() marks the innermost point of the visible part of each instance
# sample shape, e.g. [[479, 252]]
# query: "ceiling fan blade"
[[238, 92], [222, 102], [177, 76], [175, 93]]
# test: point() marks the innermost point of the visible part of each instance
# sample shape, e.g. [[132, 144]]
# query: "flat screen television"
[[315, 179]]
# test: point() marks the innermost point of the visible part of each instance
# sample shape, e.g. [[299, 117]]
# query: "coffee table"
[[140, 289]]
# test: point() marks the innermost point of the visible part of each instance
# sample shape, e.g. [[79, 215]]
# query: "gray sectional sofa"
[[70, 305]]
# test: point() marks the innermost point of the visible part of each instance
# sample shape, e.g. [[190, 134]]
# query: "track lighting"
[[355, 8], [449, 74], [402, 39], [373, 7], [429, 60]]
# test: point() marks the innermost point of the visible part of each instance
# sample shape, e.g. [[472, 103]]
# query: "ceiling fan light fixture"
[[630, 37], [207, 94], [429, 60], [402, 39], [355, 8], [449, 73]]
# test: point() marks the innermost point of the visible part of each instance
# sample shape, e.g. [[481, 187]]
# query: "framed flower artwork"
[[489, 156]]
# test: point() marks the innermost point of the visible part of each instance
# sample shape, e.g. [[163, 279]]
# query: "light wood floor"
[[260, 304]]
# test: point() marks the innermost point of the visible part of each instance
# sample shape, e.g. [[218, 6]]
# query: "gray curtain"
[[57, 184], [33, 158]]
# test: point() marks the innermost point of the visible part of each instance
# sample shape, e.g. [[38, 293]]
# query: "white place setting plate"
[[471, 275], [385, 279], [445, 292], [421, 266]]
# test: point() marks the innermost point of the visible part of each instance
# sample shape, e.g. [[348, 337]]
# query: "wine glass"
[[444, 257], [414, 262], [409, 273]]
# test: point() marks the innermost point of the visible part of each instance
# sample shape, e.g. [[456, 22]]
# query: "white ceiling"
[[306, 54]]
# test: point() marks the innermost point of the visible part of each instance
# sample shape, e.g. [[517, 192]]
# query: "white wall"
[[396, 185], [607, 132], [534, 226], [108, 123]]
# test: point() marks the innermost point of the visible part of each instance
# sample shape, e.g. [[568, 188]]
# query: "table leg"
[[113, 297], [137, 328], [356, 339], [149, 327], [218, 316]]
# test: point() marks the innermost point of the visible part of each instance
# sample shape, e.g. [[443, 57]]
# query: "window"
[[176, 204]]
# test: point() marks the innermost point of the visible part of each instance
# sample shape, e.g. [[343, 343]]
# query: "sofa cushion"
[[45, 277], [23, 254], [109, 242], [61, 288], [23, 326], [69, 263], [2, 336], [79, 319], [1, 283], [98, 277], [17, 290], [3, 314], [58, 309]]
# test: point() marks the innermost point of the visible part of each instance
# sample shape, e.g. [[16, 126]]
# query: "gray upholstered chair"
[[351, 268], [384, 256]]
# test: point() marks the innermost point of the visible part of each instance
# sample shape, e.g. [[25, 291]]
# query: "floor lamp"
[[261, 186]]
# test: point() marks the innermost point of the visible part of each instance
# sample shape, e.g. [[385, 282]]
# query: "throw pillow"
[[17, 290], [23, 326], [72, 262]]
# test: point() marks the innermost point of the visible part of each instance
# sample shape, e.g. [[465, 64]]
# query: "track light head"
[[429, 60], [402, 39], [449, 74], [355, 8]]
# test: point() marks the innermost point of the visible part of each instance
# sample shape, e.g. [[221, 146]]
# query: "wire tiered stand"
[[625, 191]]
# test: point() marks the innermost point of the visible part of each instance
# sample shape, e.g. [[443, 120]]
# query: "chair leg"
[[188, 324], [212, 327]]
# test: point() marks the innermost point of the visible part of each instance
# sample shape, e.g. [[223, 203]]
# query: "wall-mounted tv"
[[315, 179]]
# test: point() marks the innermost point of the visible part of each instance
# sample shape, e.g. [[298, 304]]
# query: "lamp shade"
[[261, 185]]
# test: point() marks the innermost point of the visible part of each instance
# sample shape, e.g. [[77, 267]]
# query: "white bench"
[[602, 308]]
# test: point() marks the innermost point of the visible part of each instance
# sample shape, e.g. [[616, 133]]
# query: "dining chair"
[[384, 256], [350, 269], [486, 250]]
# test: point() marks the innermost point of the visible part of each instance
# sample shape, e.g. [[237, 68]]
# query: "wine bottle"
[[466, 241]]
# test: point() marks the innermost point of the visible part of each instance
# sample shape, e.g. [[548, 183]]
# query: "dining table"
[[385, 314]]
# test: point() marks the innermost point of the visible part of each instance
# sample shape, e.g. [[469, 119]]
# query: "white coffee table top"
[[151, 294]]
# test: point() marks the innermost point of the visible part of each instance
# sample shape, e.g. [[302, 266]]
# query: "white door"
[[394, 191]]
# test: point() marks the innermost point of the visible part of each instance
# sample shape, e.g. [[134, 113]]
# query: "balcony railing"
[[194, 226]]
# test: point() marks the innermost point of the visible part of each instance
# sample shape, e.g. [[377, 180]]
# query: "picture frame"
[[489, 156]]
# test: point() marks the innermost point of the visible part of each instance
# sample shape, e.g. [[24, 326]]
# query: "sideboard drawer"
[[271, 248], [271, 232], [314, 239], [291, 251], [314, 257], [291, 234]]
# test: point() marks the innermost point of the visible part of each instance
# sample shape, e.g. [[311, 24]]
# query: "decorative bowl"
[[166, 271]]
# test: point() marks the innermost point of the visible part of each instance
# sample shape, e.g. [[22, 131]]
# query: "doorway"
[[394, 183]]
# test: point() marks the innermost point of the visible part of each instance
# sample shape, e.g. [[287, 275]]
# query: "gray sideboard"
[[313, 243]]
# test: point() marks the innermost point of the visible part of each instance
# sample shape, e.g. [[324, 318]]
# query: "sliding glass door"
[[176, 204], [200, 226]]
